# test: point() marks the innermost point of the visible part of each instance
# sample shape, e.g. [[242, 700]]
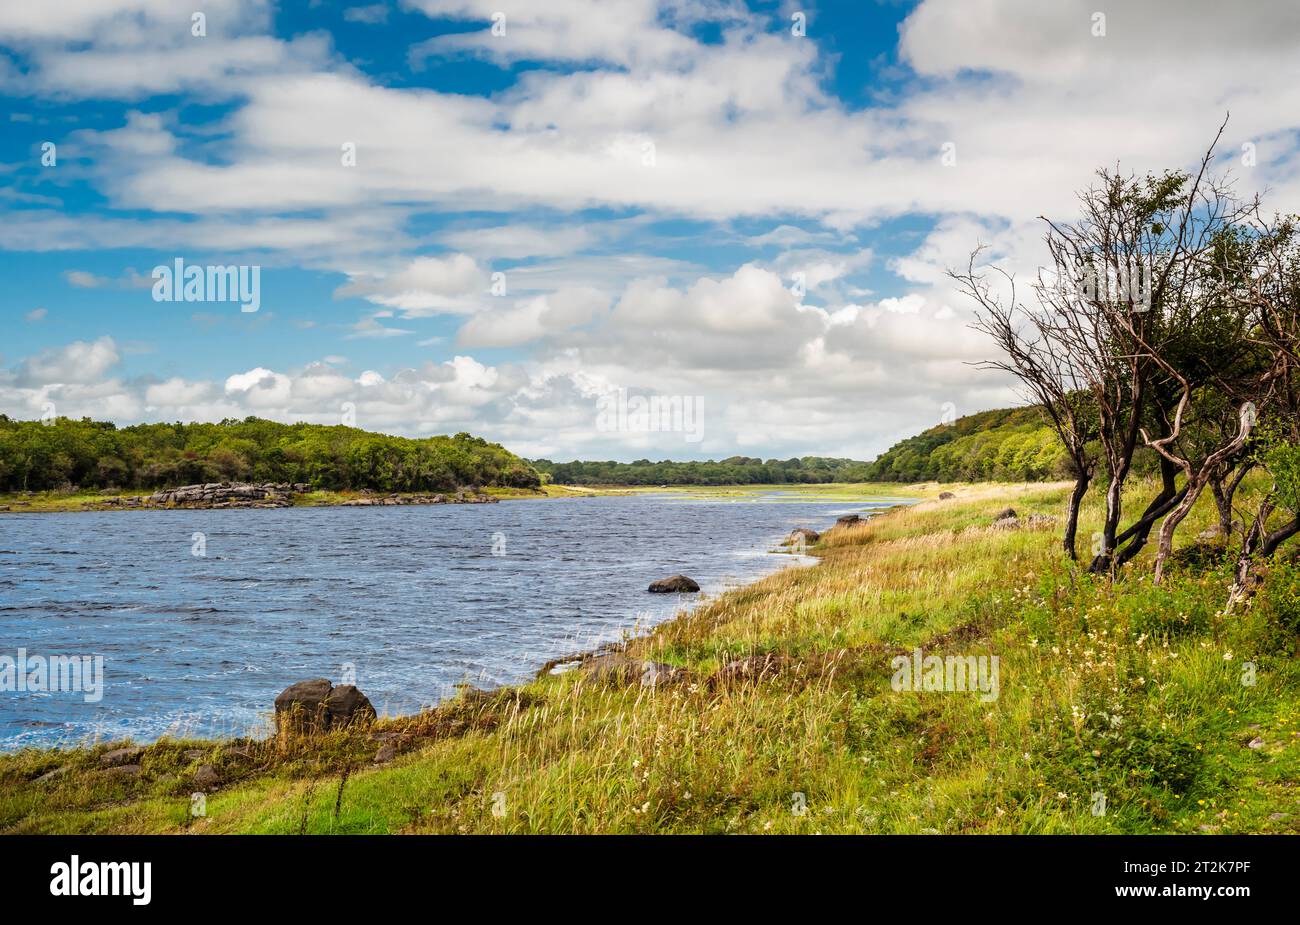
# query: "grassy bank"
[[1124, 693]]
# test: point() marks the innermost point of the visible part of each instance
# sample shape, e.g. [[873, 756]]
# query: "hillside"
[[1006, 444], [65, 453]]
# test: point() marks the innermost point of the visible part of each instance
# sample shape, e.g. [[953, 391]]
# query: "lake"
[[410, 600]]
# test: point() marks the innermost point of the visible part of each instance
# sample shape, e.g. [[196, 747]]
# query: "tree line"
[[734, 470], [63, 453], [1164, 325]]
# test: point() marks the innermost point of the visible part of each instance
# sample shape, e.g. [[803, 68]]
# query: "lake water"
[[412, 600]]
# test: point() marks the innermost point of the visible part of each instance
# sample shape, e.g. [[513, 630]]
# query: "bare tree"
[[1036, 355], [1134, 284]]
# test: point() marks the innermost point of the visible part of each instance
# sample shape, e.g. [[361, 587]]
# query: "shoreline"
[[783, 686], [575, 659], [97, 502]]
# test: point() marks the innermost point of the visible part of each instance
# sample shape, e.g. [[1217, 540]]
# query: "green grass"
[[1122, 690]]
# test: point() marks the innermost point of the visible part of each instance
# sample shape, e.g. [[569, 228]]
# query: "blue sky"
[[752, 206]]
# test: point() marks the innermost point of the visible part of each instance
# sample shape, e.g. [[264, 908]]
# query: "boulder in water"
[[674, 584]]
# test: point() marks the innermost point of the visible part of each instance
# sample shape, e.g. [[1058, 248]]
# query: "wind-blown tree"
[[1167, 304], [1132, 289], [1274, 292], [1035, 353]]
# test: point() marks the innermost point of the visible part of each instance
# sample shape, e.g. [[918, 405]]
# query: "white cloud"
[[78, 362], [373, 14], [426, 285], [745, 137], [532, 319]]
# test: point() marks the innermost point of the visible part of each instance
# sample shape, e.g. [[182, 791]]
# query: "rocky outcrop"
[[228, 494], [674, 584], [849, 520], [460, 497], [316, 706]]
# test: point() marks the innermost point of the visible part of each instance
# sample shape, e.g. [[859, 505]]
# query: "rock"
[[316, 706], [301, 707], [1034, 521], [677, 583], [226, 494], [206, 777], [802, 536], [848, 520], [124, 770], [120, 756], [52, 775], [1279, 817], [1008, 513], [348, 705], [753, 668], [1255, 743], [946, 496], [386, 753], [194, 754], [618, 668]]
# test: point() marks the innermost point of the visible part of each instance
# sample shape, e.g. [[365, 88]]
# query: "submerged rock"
[[677, 583]]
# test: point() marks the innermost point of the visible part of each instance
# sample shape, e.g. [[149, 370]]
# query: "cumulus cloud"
[[533, 319], [426, 285], [78, 362], [607, 187]]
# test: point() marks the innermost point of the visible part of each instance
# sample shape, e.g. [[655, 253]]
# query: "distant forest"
[[1011, 444], [735, 470], [65, 453]]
